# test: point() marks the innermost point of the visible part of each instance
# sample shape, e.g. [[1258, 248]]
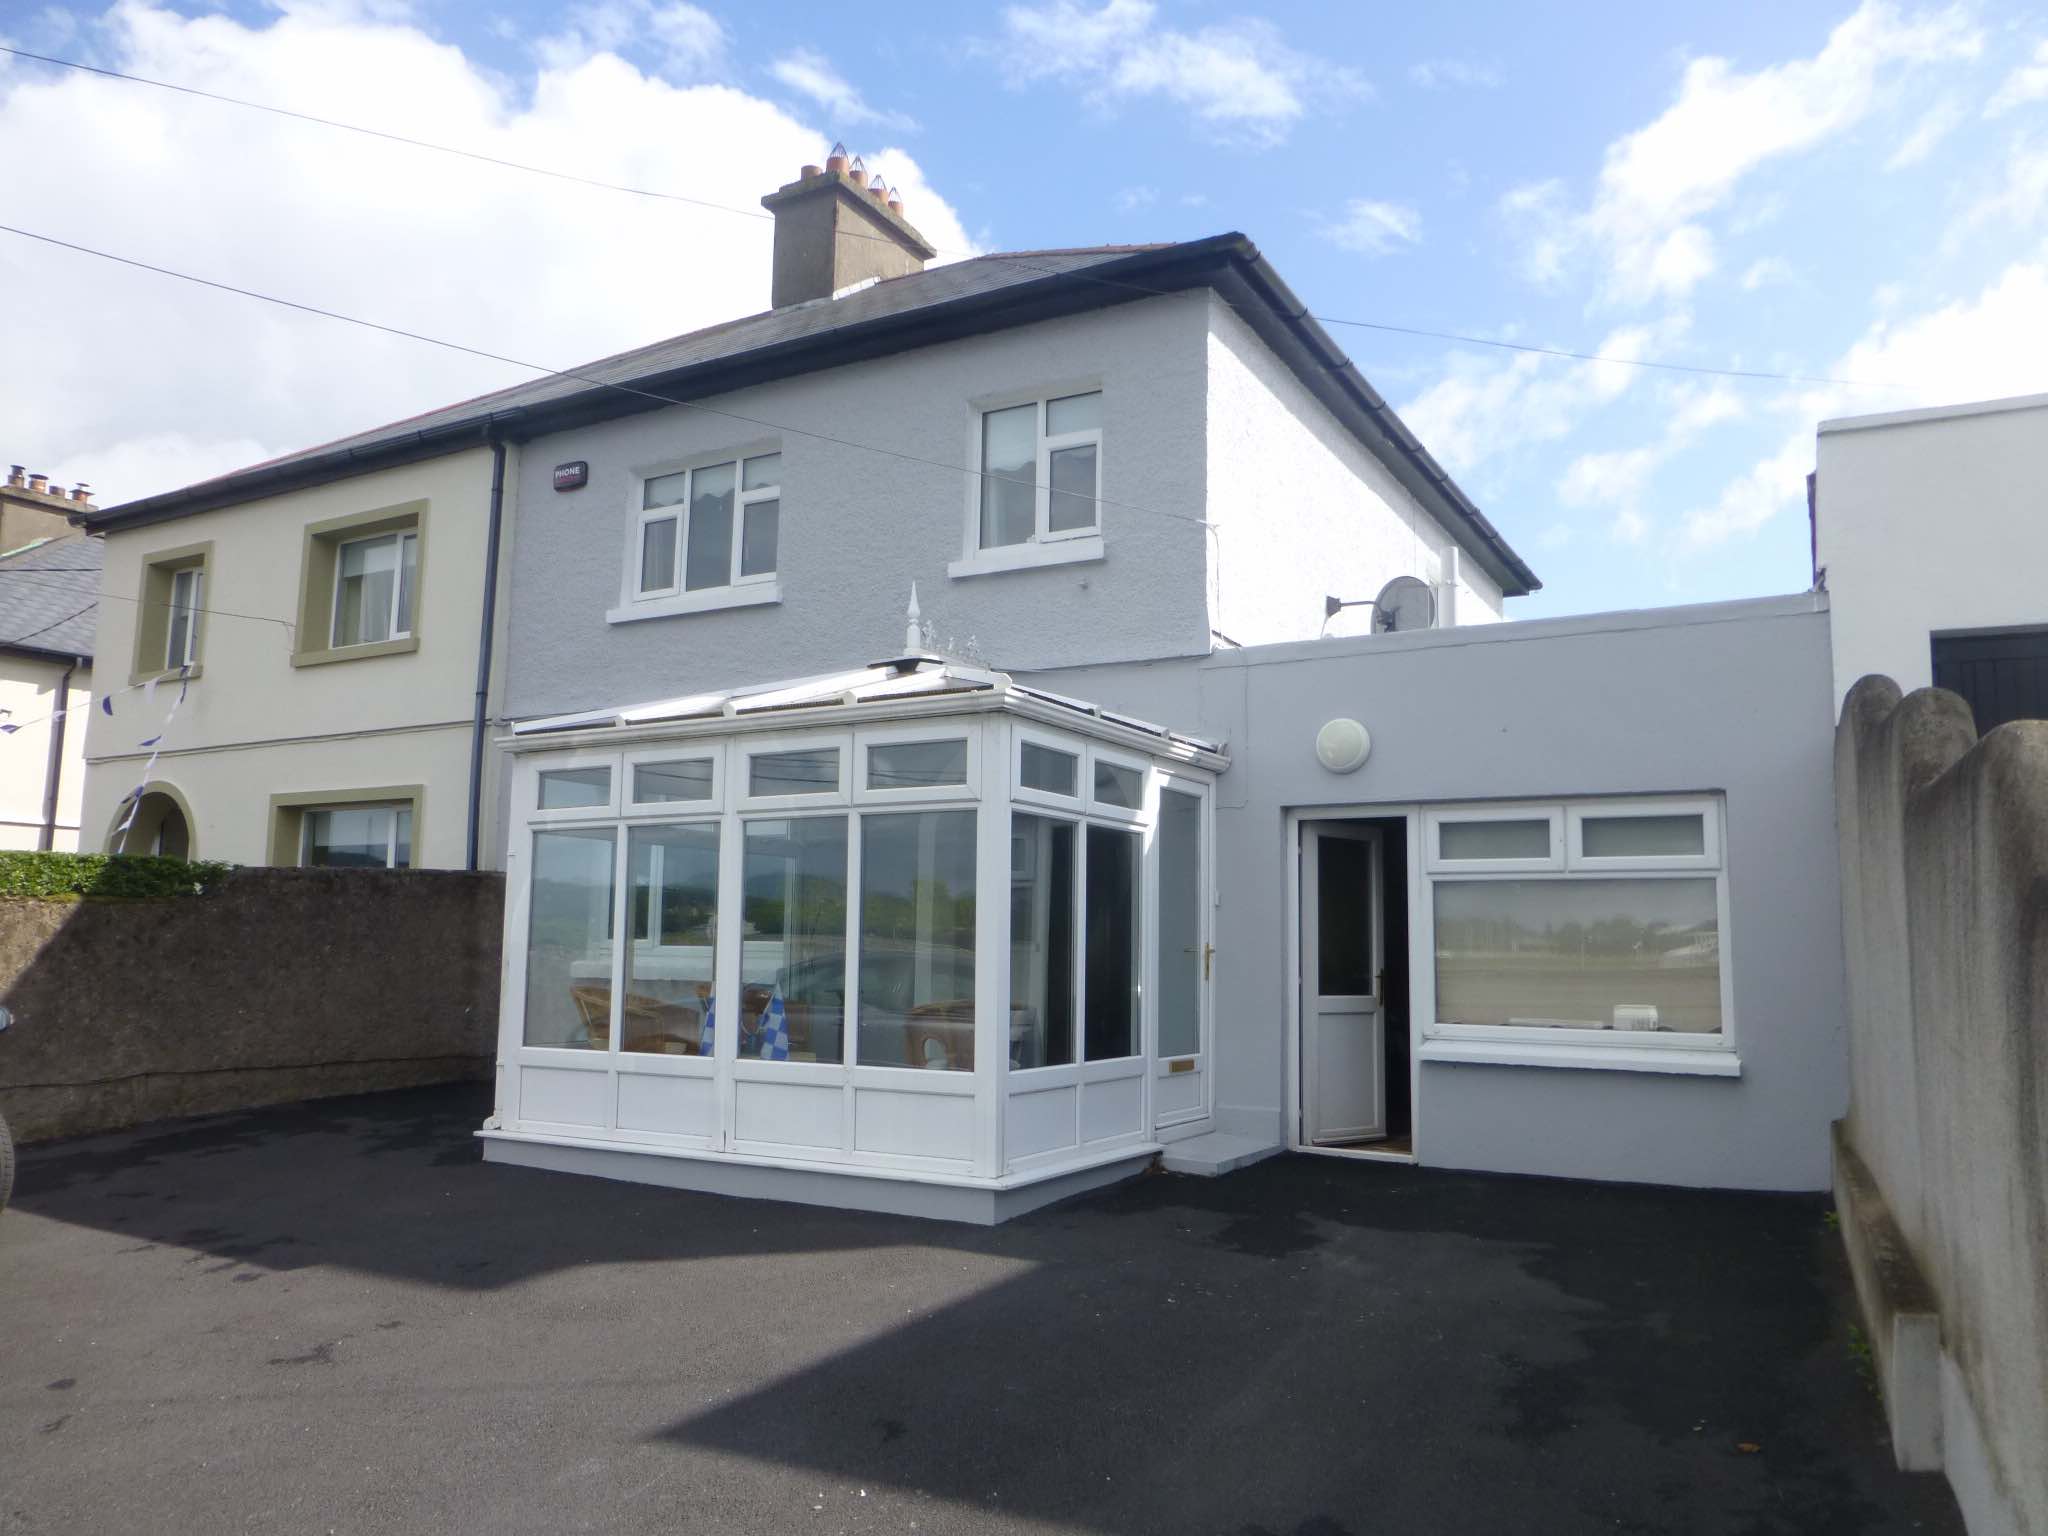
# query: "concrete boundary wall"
[[1943, 1170], [280, 985]]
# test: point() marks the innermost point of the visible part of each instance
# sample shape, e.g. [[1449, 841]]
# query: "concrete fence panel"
[[280, 985], [1944, 1179]]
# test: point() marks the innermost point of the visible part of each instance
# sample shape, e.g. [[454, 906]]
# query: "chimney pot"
[[812, 172], [16, 475], [857, 172], [39, 483], [896, 203], [878, 192], [81, 493], [829, 237]]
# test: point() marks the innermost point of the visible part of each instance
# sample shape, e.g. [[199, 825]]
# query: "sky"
[[1854, 196]]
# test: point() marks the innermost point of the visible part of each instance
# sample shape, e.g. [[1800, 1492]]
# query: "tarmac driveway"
[[335, 1317]]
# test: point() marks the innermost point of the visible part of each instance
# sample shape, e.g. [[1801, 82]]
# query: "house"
[[49, 585], [1099, 853], [1931, 528], [302, 656]]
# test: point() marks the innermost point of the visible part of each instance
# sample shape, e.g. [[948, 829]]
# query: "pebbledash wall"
[[1189, 428], [1729, 698], [256, 993]]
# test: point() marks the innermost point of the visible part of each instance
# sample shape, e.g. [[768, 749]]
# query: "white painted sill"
[[1026, 557], [1603, 1058], [710, 600]]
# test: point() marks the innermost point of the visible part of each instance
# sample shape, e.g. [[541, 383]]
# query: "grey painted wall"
[[1731, 698], [857, 528]]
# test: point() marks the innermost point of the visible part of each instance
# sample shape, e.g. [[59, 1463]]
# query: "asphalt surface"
[[335, 1317]]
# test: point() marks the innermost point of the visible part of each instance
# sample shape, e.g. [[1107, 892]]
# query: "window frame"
[[400, 537], [320, 582], [159, 573], [1103, 810], [674, 597], [287, 817], [768, 744], [1071, 746], [197, 575], [1556, 1045], [607, 810], [394, 807], [1044, 546], [867, 739], [671, 810]]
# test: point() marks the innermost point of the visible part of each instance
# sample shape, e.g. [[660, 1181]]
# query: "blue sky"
[[1838, 191]]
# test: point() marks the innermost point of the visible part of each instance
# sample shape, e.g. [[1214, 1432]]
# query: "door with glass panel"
[[1343, 1025], [1182, 956]]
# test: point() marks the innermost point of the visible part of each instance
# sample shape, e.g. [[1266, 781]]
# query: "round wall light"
[[1343, 745]]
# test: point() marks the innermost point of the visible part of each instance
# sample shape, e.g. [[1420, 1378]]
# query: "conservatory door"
[[1182, 956], [1343, 1030]]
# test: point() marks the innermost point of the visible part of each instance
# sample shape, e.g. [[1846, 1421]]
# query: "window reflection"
[[1041, 941], [1113, 928], [793, 953], [917, 940], [568, 940], [673, 873]]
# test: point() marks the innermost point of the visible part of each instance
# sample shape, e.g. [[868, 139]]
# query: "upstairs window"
[[170, 612], [1041, 470], [375, 580], [181, 646], [716, 525]]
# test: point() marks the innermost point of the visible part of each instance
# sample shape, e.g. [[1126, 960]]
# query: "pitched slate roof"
[[984, 294], [49, 596]]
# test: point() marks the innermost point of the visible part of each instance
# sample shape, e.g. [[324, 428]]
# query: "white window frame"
[[607, 810], [399, 536], [1559, 1046], [308, 812], [699, 817], [1551, 813], [1071, 746], [1044, 547], [1068, 813], [736, 591], [172, 661], [672, 810], [866, 740], [1102, 810], [746, 748]]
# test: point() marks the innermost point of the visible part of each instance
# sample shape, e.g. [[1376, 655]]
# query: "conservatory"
[[912, 937]]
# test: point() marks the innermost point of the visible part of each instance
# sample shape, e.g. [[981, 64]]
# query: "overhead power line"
[[1386, 327]]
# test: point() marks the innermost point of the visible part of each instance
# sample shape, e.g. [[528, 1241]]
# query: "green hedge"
[[129, 877]]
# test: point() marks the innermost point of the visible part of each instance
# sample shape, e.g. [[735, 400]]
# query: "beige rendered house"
[[299, 672]]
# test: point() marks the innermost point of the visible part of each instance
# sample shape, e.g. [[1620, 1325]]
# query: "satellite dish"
[[1404, 603]]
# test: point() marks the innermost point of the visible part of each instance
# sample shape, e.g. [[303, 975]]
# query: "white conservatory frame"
[[975, 1144]]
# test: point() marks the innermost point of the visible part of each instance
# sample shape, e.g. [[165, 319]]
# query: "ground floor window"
[[793, 965], [356, 837], [1591, 921], [917, 940]]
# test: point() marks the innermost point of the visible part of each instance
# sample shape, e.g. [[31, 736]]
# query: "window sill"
[[710, 600], [164, 675], [1679, 1061], [356, 652], [1025, 557]]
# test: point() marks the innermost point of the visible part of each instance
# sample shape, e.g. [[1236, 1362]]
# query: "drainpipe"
[[481, 723], [53, 772]]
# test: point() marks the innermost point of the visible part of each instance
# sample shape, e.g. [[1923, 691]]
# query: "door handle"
[[1208, 954]]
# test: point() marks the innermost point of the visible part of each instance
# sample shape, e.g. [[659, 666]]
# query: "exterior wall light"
[[1342, 746]]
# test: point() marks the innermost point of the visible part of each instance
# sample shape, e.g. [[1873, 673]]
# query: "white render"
[[1303, 510], [28, 700], [252, 724], [1930, 521]]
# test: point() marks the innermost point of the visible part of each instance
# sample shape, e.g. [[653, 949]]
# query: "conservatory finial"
[[913, 630]]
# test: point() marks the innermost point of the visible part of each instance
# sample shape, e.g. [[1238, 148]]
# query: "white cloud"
[[142, 383], [1482, 410], [810, 73], [1765, 272], [1618, 478], [2027, 83], [1977, 349], [1440, 74], [1936, 124], [2018, 198], [1239, 78], [1131, 199], [1657, 185], [1373, 228], [687, 41]]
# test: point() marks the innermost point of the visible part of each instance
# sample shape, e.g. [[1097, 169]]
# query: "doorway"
[[1354, 1089]]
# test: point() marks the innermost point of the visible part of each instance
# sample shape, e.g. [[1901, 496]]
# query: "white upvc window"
[[375, 587], [707, 528], [1040, 464], [356, 837], [182, 632], [1591, 933]]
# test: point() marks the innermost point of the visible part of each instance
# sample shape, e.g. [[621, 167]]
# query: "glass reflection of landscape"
[[1580, 954]]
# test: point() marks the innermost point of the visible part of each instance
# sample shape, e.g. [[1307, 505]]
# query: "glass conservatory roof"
[[914, 676]]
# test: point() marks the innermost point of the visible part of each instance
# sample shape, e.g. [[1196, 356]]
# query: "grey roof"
[[943, 303], [49, 596], [888, 299]]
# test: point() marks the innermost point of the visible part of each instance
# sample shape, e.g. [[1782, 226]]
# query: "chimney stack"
[[834, 229]]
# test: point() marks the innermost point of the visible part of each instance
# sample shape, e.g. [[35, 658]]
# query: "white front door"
[[1343, 1026]]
